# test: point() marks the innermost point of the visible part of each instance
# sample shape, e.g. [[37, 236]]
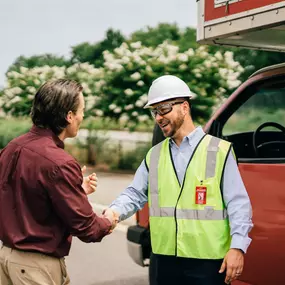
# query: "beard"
[[170, 127]]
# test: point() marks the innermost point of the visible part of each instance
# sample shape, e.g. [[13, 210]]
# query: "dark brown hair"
[[53, 101]]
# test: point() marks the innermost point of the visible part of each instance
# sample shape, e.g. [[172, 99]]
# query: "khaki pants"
[[29, 268]]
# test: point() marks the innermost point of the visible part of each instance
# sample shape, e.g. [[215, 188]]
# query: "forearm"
[[93, 230], [134, 197], [128, 203]]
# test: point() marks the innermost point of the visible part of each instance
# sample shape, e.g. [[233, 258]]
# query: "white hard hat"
[[167, 87]]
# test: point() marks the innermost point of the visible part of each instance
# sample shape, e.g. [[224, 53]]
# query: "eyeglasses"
[[164, 109]]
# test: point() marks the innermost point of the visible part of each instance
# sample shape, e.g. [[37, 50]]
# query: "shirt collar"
[[49, 133], [193, 137]]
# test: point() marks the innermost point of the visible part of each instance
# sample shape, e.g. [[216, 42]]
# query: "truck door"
[[254, 121]]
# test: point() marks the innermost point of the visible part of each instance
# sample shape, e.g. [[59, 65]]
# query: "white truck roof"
[[255, 24]]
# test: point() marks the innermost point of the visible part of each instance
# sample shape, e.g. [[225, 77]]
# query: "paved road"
[[105, 263], [108, 262], [110, 185]]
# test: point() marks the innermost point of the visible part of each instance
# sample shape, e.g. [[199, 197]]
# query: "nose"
[[158, 118]]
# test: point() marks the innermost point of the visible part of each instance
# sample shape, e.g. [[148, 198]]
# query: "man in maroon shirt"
[[43, 199]]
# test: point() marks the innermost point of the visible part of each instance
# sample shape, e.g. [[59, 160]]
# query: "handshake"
[[112, 216]]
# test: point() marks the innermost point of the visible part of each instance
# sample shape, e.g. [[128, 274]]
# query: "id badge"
[[201, 195]]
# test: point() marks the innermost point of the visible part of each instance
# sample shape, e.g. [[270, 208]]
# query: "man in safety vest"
[[200, 212]]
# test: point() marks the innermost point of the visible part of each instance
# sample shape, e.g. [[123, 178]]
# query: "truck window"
[[257, 128]]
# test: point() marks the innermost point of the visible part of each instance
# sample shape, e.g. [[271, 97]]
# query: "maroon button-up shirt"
[[42, 202]]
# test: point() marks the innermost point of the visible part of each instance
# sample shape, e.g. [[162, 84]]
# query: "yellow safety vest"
[[189, 220]]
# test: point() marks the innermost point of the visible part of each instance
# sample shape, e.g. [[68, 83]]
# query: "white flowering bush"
[[20, 87], [131, 68], [119, 89]]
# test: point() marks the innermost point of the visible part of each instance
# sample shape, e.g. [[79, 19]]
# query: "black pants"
[[171, 270]]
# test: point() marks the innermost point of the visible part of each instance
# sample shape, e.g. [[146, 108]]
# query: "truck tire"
[[152, 269]]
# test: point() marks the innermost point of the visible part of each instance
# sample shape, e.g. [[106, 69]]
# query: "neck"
[[187, 127], [62, 135]]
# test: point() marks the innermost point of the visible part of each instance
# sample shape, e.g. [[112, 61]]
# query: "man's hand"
[[89, 182], [233, 263], [112, 216]]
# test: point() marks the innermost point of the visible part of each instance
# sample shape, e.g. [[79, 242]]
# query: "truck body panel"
[[244, 23]]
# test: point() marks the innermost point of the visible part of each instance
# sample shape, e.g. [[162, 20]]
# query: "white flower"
[[90, 101], [190, 52], [112, 106], [136, 76], [144, 98], [135, 114], [140, 103], [233, 83], [23, 69], [183, 66], [223, 72], [16, 90], [182, 57], [16, 99], [99, 113], [222, 90], [208, 63], [125, 59], [140, 83], [218, 55], [31, 97], [124, 118], [129, 107], [118, 110], [113, 66], [129, 92], [148, 69], [136, 45], [143, 118], [229, 55], [31, 89]]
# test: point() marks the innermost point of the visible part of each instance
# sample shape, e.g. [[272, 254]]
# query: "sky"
[[31, 27]]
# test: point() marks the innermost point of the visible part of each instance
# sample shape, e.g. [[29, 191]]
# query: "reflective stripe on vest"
[[191, 214]]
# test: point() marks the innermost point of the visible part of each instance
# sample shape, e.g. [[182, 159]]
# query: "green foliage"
[[93, 53], [131, 68], [131, 159], [12, 128], [38, 61], [152, 37], [118, 90], [116, 73]]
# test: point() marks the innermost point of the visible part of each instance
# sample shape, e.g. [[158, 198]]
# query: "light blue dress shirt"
[[236, 199]]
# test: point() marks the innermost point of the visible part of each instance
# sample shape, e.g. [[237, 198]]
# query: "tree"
[[152, 37], [93, 53], [38, 61], [118, 90]]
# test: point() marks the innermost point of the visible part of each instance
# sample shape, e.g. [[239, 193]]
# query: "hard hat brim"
[[167, 98]]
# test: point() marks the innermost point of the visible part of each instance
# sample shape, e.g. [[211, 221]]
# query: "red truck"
[[253, 119]]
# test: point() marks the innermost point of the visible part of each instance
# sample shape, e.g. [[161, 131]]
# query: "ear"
[[69, 117], [185, 107]]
